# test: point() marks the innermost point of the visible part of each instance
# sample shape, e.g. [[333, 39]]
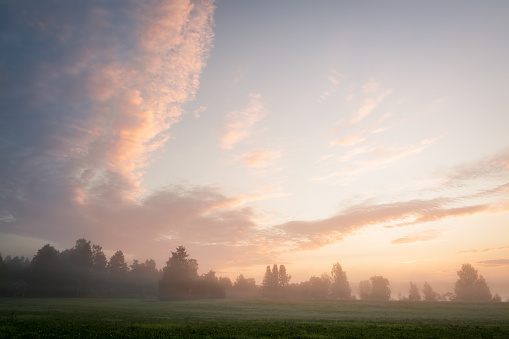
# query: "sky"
[[303, 133]]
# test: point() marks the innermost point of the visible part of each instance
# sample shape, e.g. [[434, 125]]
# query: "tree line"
[[84, 271]]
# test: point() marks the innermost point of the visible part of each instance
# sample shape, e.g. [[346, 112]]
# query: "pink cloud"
[[137, 99], [239, 124], [260, 158], [307, 235], [368, 105], [350, 140]]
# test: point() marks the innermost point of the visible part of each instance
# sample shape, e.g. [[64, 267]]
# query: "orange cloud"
[[260, 158], [417, 236], [368, 105], [494, 263], [350, 140], [240, 123], [484, 250]]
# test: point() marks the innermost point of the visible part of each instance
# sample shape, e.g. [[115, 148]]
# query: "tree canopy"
[[340, 287], [470, 286]]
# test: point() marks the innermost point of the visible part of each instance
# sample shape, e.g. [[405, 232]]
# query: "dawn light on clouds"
[[374, 134]]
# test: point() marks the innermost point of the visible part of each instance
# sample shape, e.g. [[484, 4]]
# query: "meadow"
[[226, 318]]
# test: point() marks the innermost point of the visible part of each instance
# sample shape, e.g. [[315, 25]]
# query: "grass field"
[[131, 318]]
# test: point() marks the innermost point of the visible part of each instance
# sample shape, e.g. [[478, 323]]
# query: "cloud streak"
[[369, 104], [239, 124], [484, 250], [375, 157], [494, 263], [417, 236]]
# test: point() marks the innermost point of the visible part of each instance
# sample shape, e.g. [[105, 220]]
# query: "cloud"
[[239, 124], [308, 235], [484, 250], [494, 167], [369, 104], [350, 140], [490, 197], [494, 263], [371, 87], [375, 157], [333, 79], [260, 158], [417, 236], [198, 111], [94, 88], [94, 91]]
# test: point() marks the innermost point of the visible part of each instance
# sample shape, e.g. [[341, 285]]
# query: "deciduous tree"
[[365, 289], [470, 286], [340, 287], [380, 288], [413, 293], [429, 294]]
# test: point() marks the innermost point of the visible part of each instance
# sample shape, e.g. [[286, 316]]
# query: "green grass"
[[130, 318]]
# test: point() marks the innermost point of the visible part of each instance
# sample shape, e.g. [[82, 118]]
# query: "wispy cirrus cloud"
[[333, 81], [370, 103], [239, 124], [375, 158]]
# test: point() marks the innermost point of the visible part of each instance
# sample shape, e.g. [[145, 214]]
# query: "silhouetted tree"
[[178, 276], [81, 254], [270, 282], [319, 286], [4, 275], [144, 277], [45, 271], [365, 289], [496, 298], [429, 294], [284, 278], [78, 261], [380, 288], [340, 287], [18, 273], [413, 293], [208, 286], [244, 287], [275, 282], [470, 286], [99, 262], [447, 296], [225, 282], [242, 283], [376, 288], [117, 265]]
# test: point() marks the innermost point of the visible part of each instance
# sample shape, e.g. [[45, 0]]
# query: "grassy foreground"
[[129, 318]]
